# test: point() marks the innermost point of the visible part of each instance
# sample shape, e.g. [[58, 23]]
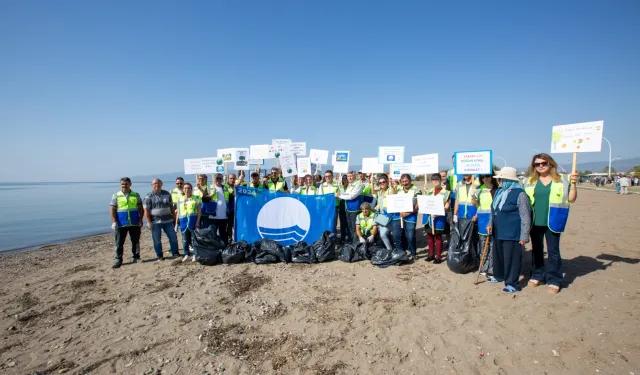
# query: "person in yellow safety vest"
[[176, 192], [201, 188], [483, 201], [188, 219], [230, 197], [255, 181], [126, 218], [435, 225], [367, 187], [366, 227], [343, 184], [352, 197], [275, 182], [330, 187], [406, 222], [241, 181], [454, 180], [297, 184], [219, 221], [309, 187], [550, 194], [381, 198], [464, 208]]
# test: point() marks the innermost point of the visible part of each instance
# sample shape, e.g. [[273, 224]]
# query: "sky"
[[91, 91]]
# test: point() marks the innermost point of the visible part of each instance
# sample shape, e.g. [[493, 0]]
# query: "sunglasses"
[[543, 164], [219, 179], [382, 182]]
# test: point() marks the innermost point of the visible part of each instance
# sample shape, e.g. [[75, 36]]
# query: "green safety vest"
[[278, 186], [328, 189], [484, 209], [198, 193], [414, 192], [188, 212], [176, 194], [366, 223], [558, 202], [127, 209], [444, 194], [303, 190], [466, 209]]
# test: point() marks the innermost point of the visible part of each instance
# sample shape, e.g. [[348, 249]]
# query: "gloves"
[[114, 226], [472, 192], [176, 228], [362, 240], [455, 218], [370, 239]]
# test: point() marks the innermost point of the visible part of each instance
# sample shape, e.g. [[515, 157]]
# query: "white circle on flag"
[[285, 220]]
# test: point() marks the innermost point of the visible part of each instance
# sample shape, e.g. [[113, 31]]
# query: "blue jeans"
[[552, 275], [156, 234], [618, 187], [187, 241], [409, 232]]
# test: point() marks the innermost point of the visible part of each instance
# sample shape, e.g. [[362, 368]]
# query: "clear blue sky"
[[95, 90]]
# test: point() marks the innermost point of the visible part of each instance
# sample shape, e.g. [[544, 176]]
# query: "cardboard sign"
[[213, 165], [227, 155], [259, 152], [297, 148], [425, 164], [341, 162], [473, 162], [256, 161], [390, 154], [242, 159], [582, 137], [431, 205], [398, 170], [371, 165], [319, 156], [288, 165], [399, 203], [281, 143], [192, 166], [304, 166]]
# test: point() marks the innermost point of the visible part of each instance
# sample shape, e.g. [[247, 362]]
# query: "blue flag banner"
[[285, 218]]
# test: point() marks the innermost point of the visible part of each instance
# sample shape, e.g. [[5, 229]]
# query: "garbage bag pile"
[[384, 258], [207, 247], [462, 254]]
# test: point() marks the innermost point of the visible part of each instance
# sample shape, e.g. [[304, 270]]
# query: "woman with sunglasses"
[[483, 201], [550, 194], [384, 189]]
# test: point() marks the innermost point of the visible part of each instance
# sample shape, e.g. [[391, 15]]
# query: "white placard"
[[583, 137], [399, 203], [390, 154], [319, 156], [371, 165], [473, 162], [192, 166], [259, 152], [431, 205], [288, 165], [212, 165], [341, 162], [242, 159], [304, 167], [398, 170], [297, 148], [281, 143], [256, 161], [227, 155], [423, 164]]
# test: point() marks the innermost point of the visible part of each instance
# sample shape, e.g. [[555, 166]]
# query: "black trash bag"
[[324, 248], [462, 253], [235, 252], [350, 253], [206, 247], [384, 258], [251, 251], [271, 252], [302, 252]]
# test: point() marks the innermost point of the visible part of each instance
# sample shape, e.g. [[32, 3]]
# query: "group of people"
[[506, 214]]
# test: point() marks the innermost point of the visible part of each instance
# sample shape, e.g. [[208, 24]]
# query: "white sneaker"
[[186, 257], [193, 258]]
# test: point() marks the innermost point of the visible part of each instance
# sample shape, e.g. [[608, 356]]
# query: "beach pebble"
[[555, 353]]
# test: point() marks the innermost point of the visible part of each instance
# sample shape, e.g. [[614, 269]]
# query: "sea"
[[33, 215]]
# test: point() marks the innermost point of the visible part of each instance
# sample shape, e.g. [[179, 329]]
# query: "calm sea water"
[[36, 214]]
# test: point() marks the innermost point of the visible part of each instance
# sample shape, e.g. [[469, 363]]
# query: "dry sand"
[[65, 309]]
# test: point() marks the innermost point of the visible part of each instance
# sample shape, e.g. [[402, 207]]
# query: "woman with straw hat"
[[510, 224]]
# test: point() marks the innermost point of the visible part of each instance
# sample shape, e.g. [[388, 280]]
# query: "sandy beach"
[[64, 310]]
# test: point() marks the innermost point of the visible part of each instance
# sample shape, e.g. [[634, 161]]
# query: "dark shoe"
[[160, 259], [134, 260], [117, 263], [437, 261], [429, 259], [175, 255]]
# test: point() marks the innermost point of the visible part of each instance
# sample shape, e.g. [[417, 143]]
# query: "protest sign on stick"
[[304, 166], [574, 138], [390, 154], [192, 166], [288, 163], [371, 165], [431, 205], [259, 152], [319, 156], [473, 162], [341, 162], [397, 203], [241, 159]]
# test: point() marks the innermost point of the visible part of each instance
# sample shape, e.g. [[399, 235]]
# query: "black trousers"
[[121, 236], [221, 229], [507, 261], [230, 222], [351, 224]]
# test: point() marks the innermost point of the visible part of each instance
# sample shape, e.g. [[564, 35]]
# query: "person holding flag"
[[275, 182], [352, 196], [330, 187], [309, 187], [435, 225]]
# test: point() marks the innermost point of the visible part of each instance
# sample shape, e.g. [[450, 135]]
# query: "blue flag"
[[285, 218]]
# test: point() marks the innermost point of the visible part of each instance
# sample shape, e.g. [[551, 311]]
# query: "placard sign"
[[398, 170], [582, 137], [227, 155], [259, 152], [242, 159], [431, 205], [390, 154], [288, 165], [304, 167], [399, 203], [424, 164], [371, 165], [192, 166], [256, 161], [297, 148], [341, 162], [473, 162], [319, 156], [212, 165]]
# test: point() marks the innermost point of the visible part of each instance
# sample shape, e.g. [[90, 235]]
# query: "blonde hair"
[[553, 168]]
